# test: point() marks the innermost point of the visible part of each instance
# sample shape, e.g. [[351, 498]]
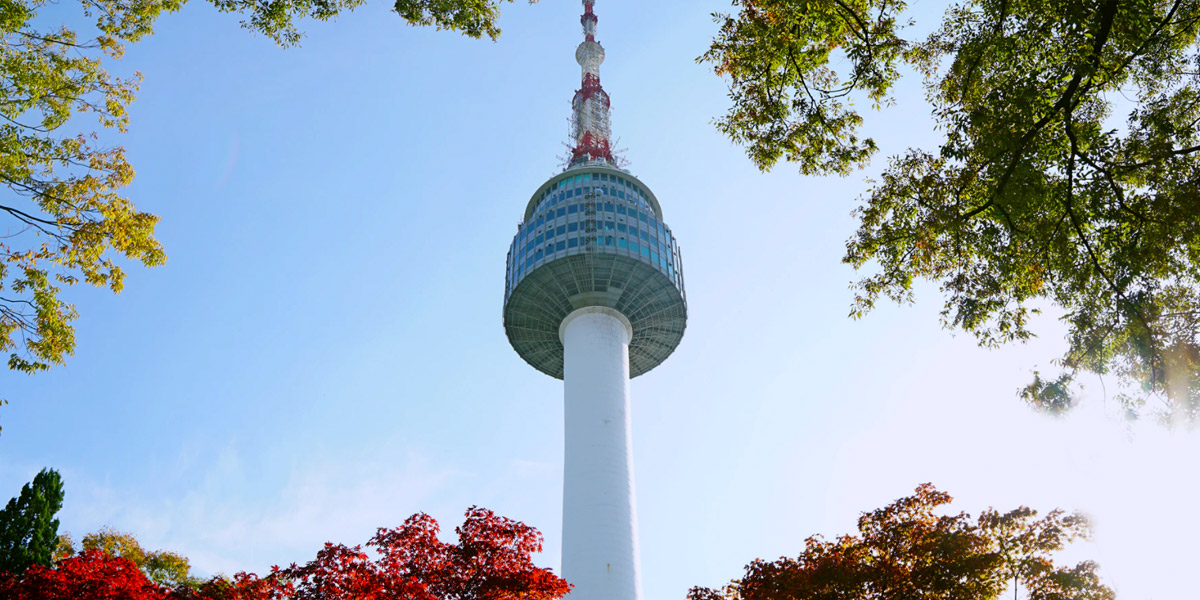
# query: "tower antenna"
[[591, 125]]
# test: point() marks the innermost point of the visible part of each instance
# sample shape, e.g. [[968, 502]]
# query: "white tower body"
[[599, 543]]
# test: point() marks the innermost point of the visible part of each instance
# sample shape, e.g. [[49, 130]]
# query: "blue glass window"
[[646, 251], [572, 209], [620, 209], [560, 246], [621, 194], [562, 212], [561, 230], [572, 243], [671, 271], [641, 216], [608, 206], [622, 243], [541, 220], [645, 235], [570, 194], [539, 239], [633, 231], [608, 241], [654, 256], [572, 226], [623, 228], [609, 225], [538, 256]]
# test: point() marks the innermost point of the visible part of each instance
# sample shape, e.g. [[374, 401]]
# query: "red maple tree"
[[491, 561], [91, 575]]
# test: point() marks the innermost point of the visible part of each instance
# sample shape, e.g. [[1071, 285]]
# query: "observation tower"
[[594, 296]]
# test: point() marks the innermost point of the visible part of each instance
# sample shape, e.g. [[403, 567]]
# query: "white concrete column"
[[599, 545]]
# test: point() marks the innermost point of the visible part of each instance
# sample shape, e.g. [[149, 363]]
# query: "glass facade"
[[607, 187], [593, 213]]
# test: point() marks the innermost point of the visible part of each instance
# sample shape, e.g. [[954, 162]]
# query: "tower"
[[594, 296]]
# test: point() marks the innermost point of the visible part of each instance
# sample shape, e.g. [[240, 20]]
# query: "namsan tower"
[[594, 296]]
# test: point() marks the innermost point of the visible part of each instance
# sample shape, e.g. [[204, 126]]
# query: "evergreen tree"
[[28, 529]]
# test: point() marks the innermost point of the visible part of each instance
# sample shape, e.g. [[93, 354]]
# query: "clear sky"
[[323, 353]]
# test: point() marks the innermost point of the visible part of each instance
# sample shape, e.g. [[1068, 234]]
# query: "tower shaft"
[[599, 543]]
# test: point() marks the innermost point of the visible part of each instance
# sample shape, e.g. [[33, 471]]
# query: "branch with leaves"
[[1037, 192]]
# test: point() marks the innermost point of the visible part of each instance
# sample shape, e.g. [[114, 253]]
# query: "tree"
[[168, 569], [28, 529], [491, 561], [91, 575], [1037, 191], [907, 550], [67, 219]]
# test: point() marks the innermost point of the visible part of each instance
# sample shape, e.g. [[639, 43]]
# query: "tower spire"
[[591, 130]]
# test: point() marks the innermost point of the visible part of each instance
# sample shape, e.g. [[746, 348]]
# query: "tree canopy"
[[64, 216], [28, 529], [1039, 190], [490, 561], [165, 568], [908, 550]]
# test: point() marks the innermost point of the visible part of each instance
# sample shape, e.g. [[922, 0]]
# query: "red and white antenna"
[[591, 130]]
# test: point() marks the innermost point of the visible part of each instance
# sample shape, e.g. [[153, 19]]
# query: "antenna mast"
[[591, 129]]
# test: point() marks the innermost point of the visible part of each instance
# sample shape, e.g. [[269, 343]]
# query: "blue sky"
[[323, 352]]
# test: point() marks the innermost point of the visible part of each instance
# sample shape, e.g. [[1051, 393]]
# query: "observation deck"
[[594, 235]]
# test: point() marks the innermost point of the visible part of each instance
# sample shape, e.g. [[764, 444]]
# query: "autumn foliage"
[[92, 575], [491, 561], [907, 550]]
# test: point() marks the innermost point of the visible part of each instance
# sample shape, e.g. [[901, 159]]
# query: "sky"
[[323, 353]]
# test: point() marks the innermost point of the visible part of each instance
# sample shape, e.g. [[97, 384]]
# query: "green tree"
[[66, 218], [28, 529], [1038, 191], [908, 550]]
